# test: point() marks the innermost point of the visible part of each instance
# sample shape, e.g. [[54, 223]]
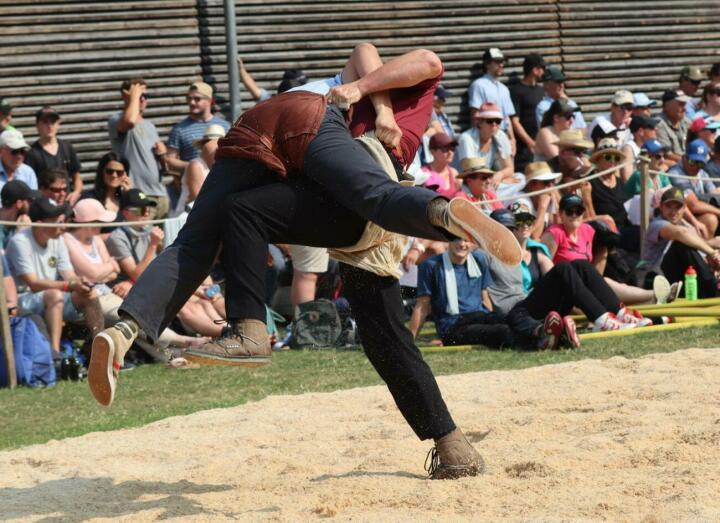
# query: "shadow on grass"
[[80, 499]]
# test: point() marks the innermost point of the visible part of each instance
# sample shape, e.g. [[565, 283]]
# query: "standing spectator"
[[180, 144], [558, 118], [526, 96], [16, 197], [44, 276], [673, 127], [438, 115], [440, 173], [554, 86], [477, 178], [642, 129], [50, 152], [489, 90], [13, 149], [137, 139], [642, 105], [621, 108], [487, 140], [689, 82], [53, 183], [111, 179], [5, 115]]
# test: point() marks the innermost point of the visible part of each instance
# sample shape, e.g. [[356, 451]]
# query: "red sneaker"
[[570, 331], [552, 329]]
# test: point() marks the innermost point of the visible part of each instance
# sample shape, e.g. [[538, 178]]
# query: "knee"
[[53, 297], [431, 61]]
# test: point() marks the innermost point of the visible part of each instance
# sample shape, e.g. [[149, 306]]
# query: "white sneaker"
[[608, 322], [107, 359], [633, 316], [661, 289]]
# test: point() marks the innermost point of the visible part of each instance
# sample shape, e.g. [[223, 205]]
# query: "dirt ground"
[[616, 440]]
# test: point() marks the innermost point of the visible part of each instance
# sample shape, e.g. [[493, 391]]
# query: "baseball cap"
[[553, 74], [622, 97], [697, 151], [603, 129], [135, 198], [14, 191], [91, 210], [522, 209], [641, 100], [13, 139], [441, 140], [211, 132], [672, 194], [47, 112], [441, 92], [571, 200], [654, 146], [643, 122], [493, 54], [489, 110], [533, 60], [44, 208], [690, 72], [504, 217], [5, 106], [202, 89], [675, 94], [562, 107], [700, 123]]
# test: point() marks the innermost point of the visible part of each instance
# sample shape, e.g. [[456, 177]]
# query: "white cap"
[[13, 139]]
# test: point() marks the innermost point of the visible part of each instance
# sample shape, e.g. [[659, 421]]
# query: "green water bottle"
[[691, 284]]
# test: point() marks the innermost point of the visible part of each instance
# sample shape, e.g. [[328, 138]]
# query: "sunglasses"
[[658, 156], [492, 121], [569, 116], [18, 152], [696, 163], [56, 190], [138, 210], [579, 152], [574, 211], [627, 107], [716, 92], [447, 148], [116, 172], [196, 99], [525, 222], [144, 97], [483, 177], [611, 158]]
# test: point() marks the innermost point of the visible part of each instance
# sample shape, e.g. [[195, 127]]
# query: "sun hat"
[[489, 110], [607, 145], [211, 132], [573, 138], [540, 171], [474, 165]]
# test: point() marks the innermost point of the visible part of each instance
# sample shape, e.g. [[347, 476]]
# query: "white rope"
[[685, 177], [88, 224]]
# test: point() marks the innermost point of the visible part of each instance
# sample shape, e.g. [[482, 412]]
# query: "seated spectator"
[[655, 151], [111, 179], [538, 176], [44, 276], [642, 129], [642, 105], [710, 103], [13, 149], [135, 247], [712, 167], [486, 140], [5, 115], [554, 85], [558, 118], [53, 183], [50, 152], [672, 245], [16, 197], [439, 120], [704, 129], [689, 82], [11, 296], [673, 127], [442, 177], [621, 107], [477, 181], [573, 163], [701, 195]]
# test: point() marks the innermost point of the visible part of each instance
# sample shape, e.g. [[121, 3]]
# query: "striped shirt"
[[184, 132]]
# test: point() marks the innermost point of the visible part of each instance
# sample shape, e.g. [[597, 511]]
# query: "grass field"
[[152, 392]]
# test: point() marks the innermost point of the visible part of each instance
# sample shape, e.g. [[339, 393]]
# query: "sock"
[[126, 322]]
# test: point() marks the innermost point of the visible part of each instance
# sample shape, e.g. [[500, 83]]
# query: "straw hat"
[[212, 132], [573, 138], [607, 145], [540, 171], [474, 165]]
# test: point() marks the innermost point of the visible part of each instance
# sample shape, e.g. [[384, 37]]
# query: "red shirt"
[[569, 250]]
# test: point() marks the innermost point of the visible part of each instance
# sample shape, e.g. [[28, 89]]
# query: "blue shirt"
[[6, 268], [701, 185], [431, 282], [24, 173], [546, 102], [188, 130], [488, 89]]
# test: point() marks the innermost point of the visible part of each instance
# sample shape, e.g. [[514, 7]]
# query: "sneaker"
[[608, 322], [661, 289], [570, 332], [633, 316], [466, 220], [453, 457], [675, 289], [552, 329], [243, 343], [107, 358]]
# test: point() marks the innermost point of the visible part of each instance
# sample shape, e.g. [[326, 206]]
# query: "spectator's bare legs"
[[195, 317], [630, 295], [303, 287], [89, 304], [53, 300]]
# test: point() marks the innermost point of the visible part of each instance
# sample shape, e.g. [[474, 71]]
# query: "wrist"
[[418, 247]]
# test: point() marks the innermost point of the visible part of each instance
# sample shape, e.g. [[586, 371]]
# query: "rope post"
[[644, 214], [6, 336]]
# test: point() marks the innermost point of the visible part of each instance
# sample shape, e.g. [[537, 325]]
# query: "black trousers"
[[334, 163], [676, 261], [486, 328], [567, 285]]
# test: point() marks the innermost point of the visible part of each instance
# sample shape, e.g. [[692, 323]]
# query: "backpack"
[[317, 326], [33, 355]]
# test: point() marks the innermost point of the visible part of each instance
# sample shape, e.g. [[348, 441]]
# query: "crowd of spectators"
[[581, 242]]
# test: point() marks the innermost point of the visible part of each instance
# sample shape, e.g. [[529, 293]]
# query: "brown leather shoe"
[[243, 343], [453, 457]]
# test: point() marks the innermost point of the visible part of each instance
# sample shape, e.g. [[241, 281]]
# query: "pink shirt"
[[569, 250], [446, 187]]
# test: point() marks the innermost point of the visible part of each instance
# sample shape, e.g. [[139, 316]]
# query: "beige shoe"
[[466, 220], [244, 343], [106, 359], [453, 457]]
